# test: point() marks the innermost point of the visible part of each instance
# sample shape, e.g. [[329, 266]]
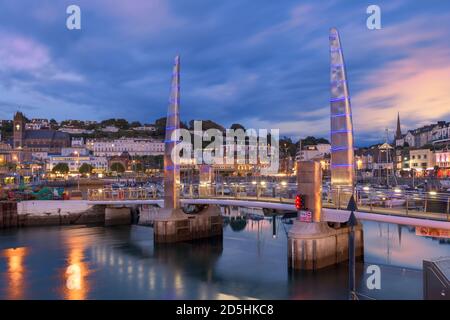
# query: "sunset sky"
[[264, 63]]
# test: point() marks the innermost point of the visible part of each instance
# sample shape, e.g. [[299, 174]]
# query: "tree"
[[53, 124], [236, 126], [135, 124], [119, 123], [138, 167], [287, 147], [86, 168], [117, 167], [207, 124], [61, 167]]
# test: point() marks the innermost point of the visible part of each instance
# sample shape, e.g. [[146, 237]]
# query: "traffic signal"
[[300, 202]]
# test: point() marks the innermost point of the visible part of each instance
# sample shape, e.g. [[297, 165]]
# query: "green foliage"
[[117, 167], [310, 140], [61, 167], [119, 123], [236, 126], [7, 129], [135, 124], [207, 124], [86, 168], [151, 162]]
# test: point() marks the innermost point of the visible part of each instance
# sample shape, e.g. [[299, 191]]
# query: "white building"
[[441, 132], [77, 142], [442, 159], [37, 124], [111, 129], [134, 146], [74, 130], [74, 151], [145, 128], [313, 152], [421, 159], [75, 162]]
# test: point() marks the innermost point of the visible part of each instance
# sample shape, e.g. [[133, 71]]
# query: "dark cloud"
[[242, 60]]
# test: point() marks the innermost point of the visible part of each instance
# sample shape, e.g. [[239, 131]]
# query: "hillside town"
[[35, 149]]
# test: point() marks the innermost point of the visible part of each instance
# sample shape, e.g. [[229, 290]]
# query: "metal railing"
[[420, 204]]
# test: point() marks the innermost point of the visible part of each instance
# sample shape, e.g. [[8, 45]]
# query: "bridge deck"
[[432, 220]]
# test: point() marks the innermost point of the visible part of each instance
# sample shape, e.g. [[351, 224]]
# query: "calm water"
[[123, 263]]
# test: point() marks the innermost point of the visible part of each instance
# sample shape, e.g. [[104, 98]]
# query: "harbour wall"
[[49, 212]]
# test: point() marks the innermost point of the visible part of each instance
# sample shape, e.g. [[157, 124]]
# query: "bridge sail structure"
[[171, 165], [342, 153]]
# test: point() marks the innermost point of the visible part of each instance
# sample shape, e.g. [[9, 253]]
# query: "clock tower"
[[19, 130]]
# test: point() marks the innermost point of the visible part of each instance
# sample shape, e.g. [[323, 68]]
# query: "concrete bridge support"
[[117, 216], [173, 225], [314, 245]]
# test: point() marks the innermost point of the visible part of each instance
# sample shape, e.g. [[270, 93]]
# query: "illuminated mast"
[[172, 169], [342, 154]]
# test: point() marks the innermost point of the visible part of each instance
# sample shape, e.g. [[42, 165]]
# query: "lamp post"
[[352, 222], [78, 167]]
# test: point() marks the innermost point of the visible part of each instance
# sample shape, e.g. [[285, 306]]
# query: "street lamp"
[[352, 222], [78, 167]]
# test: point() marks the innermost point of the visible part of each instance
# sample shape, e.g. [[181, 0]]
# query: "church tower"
[[19, 130], [398, 133]]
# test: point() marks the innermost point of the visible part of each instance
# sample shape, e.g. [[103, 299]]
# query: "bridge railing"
[[395, 201], [110, 194], [432, 205]]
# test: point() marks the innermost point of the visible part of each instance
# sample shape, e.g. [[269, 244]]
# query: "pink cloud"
[[22, 53], [417, 86]]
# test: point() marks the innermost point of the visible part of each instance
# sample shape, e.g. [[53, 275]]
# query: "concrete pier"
[[313, 244], [117, 216], [173, 225]]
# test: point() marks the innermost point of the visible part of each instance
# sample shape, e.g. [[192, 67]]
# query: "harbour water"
[[93, 262]]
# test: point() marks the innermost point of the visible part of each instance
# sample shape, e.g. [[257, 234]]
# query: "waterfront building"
[[77, 142], [309, 152], [440, 134], [420, 137], [5, 153], [421, 160], [74, 162], [134, 146], [37, 140], [442, 161], [75, 151], [364, 159]]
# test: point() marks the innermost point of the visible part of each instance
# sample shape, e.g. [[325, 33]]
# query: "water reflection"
[[15, 288], [76, 285], [399, 245], [248, 262]]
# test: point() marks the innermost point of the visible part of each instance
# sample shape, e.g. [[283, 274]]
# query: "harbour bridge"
[[428, 209]]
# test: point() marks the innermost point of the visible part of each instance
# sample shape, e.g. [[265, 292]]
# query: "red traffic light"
[[300, 202]]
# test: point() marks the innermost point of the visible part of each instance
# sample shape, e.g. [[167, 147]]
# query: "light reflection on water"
[[249, 262], [15, 272]]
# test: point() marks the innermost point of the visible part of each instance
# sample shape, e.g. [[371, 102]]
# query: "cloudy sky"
[[262, 63]]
